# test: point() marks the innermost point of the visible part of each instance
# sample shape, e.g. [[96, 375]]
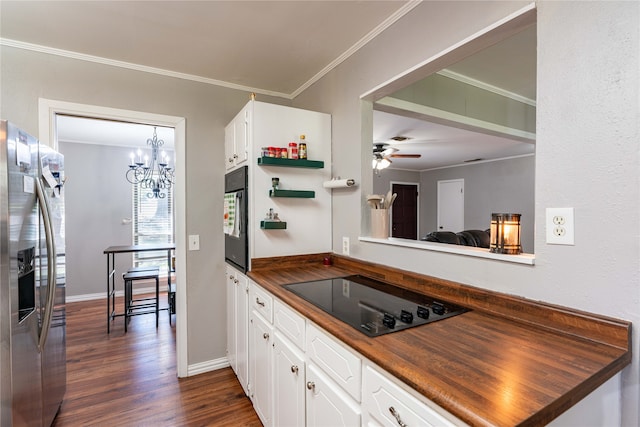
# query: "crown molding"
[[136, 67], [406, 8]]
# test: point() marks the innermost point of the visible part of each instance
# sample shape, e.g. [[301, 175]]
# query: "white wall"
[[587, 153]]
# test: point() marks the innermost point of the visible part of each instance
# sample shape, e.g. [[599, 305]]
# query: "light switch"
[[194, 242]]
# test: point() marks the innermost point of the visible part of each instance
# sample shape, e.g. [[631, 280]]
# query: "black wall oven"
[[236, 201]]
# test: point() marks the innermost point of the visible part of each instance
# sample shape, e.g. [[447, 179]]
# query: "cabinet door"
[[232, 332], [242, 330], [327, 404], [261, 368], [390, 405], [229, 145], [288, 384], [242, 134]]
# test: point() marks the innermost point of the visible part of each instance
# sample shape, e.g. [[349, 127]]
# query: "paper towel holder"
[[339, 183]]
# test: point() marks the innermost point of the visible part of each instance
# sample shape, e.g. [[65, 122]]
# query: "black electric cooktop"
[[372, 307]]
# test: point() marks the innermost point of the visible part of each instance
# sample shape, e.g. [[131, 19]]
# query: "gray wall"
[[26, 76], [586, 153], [97, 198], [502, 186]]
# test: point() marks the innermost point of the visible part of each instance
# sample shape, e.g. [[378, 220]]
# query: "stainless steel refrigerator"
[[32, 272]]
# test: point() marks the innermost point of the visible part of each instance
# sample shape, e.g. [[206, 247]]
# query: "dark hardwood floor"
[[120, 379]]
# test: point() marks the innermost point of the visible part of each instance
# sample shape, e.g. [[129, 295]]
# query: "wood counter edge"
[[556, 318]]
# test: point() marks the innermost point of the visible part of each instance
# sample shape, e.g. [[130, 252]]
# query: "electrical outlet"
[[560, 226], [345, 246], [194, 242]]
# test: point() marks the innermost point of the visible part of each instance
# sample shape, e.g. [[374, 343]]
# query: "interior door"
[[451, 205], [404, 212]]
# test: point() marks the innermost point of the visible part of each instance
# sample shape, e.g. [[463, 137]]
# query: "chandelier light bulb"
[[152, 175]]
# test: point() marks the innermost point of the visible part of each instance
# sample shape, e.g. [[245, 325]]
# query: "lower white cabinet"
[[260, 366], [238, 324], [327, 403], [385, 403], [288, 383], [299, 375]]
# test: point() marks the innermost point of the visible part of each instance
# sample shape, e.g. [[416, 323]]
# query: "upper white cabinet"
[[236, 140], [308, 219]]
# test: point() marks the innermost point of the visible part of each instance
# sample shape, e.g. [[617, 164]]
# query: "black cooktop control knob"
[[406, 316], [423, 312], [437, 308], [389, 321]]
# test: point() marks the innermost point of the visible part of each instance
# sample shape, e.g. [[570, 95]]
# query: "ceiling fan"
[[382, 152]]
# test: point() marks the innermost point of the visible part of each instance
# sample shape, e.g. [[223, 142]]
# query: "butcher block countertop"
[[508, 361]]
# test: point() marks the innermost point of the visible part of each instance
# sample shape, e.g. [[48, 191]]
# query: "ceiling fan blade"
[[388, 151], [406, 156]]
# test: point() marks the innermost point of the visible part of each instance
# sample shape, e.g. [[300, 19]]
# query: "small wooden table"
[[111, 252]]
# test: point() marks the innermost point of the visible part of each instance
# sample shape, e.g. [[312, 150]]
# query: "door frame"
[[438, 204], [47, 111], [417, 185]]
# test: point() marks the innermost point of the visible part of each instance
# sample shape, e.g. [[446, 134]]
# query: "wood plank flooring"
[[120, 379]]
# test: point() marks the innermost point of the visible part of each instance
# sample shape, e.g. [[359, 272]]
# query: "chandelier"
[[153, 175]]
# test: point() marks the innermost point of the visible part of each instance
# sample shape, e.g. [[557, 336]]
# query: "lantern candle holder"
[[505, 234]]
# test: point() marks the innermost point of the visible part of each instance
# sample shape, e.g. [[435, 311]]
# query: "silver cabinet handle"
[[265, 336], [236, 281], [231, 277], [230, 159], [235, 156], [294, 369], [260, 303], [311, 385], [397, 416]]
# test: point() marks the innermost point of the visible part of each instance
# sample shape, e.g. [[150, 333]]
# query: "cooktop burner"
[[372, 307]]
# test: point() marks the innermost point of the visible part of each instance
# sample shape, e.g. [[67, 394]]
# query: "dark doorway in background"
[[404, 212]]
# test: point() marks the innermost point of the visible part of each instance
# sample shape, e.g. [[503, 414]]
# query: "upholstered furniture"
[[475, 238]]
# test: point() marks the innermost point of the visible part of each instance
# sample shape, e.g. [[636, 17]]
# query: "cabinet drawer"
[[290, 323], [391, 405], [335, 359], [261, 301]]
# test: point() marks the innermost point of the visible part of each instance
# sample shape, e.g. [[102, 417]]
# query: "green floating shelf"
[[273, 225], [292, 163], [300, 194]]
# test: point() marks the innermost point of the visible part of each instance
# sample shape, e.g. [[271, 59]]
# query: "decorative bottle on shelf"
[[302, 148]]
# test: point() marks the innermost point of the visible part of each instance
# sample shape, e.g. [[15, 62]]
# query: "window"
[[152, 223]]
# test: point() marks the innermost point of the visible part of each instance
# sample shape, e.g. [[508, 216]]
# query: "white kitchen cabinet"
[[261, 367], [289, 323], [338, 361], [238, 324], [327, 403], [288, 383], [236, 140], [386, 403]]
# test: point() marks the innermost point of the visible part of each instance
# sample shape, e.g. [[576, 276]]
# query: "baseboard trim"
[[101, 295], [210, 365]]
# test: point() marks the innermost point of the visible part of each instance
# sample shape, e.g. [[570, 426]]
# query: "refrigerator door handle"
[[51, 264]]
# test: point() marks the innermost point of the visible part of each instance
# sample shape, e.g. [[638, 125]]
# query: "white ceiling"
[[271, 47]]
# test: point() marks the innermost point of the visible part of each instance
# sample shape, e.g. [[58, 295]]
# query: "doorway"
[[49, 109], [451, 205], [404, 212]]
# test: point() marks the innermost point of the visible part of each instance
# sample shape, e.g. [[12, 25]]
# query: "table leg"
[[157, 301]]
